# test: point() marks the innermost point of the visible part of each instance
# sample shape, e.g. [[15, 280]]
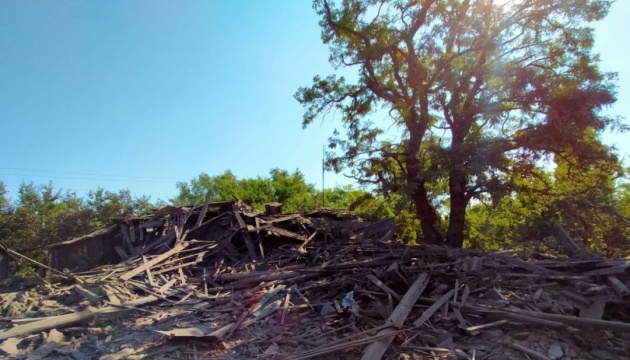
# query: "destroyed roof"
[[223, 285], [105, 231]]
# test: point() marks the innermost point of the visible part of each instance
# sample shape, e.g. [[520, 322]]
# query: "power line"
[[15, 188], [93, 179], [88, 174]]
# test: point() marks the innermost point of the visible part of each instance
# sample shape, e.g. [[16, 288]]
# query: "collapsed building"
[[225, 281]]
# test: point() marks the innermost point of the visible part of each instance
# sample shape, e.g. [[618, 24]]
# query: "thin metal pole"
[[323, 172]]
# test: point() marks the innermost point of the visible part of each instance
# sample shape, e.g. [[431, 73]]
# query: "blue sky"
[[141, 94]]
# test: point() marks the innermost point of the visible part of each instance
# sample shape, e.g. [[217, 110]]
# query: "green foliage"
[[588, 201], [495, 226], [290, 189], [41, 215], [480, 93], [408, 226], [105, 208]]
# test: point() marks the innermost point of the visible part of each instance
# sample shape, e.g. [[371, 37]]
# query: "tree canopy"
[[486, 95], [42, 215]]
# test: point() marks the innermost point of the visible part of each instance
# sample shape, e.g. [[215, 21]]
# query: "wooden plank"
[[486, 326], [151, 223], [127, 240], [528, 351], [573, 320], [393, 275], [239, 219], [128, 275], [426, 315], [164, 288], [596, 308], [524, 264], [377, 349], [245, 233], [572, 249], [620, 288], [70, 319], [121, 252], [204, 209], [383, 287], [16, 255], [132, 234], [87, 294], [164, 239], [111, 295], [286, 233], [619, 269], [302, 248], [149, 276]]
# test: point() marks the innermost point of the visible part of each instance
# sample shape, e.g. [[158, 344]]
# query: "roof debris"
[[223, 281]]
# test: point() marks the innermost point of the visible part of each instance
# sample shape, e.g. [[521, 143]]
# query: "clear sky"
[[141, 94]]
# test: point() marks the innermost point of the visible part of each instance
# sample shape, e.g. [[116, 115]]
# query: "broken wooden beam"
[[376, 350], [426, 315], [70, 319], [204, 209], [156, 260]]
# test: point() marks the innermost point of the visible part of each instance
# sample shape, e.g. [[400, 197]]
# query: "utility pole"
[[323, 172]]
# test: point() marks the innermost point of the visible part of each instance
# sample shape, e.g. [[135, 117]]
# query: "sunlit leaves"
[[482, 91]]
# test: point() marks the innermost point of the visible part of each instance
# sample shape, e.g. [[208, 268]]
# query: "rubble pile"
[[223, 281]]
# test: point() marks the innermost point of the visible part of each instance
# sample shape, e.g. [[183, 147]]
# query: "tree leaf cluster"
[[482, 94]]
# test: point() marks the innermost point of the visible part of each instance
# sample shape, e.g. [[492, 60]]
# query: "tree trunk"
[[427, 215], [424, 209], [459, 201]]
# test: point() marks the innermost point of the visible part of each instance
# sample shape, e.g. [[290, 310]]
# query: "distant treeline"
[[594, 210]]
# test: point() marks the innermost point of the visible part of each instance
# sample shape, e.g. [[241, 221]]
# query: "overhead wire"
[[87, 174], [83, 178]]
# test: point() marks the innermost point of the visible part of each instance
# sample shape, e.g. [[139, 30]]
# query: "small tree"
[[481, 91]]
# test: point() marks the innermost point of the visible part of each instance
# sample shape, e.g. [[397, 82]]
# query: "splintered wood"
[[223, 281]]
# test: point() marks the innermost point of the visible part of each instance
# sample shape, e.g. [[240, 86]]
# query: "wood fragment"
[[15, 255], [167, 238], [245, 233], [393, 274], [486, 326], [619, 287], [573, 320], [528, 351], [121, 252], [285, 309], [295, 288], [596, 309], [128, 275], [426, 315], [376, 350], [164, 288], [465, 295], [612, 270], [571, 248], [127, 240], [524, 264], [92, 297], [70, 319], [286, 233], [302, 248], [149, 276], [204, 209], [383, 287], [110, 294]]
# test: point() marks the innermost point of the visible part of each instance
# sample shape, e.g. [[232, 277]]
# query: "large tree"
[[482, 92]]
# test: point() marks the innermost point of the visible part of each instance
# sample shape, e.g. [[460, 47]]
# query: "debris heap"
[[223, 281]]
